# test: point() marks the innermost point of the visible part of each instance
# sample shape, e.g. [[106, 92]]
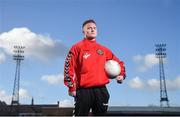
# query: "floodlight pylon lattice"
[[18, 57], [161, 54]]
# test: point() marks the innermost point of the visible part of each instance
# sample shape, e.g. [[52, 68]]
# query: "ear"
[[83, 32]]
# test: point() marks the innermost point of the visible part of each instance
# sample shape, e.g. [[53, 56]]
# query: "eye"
[[89, 28]]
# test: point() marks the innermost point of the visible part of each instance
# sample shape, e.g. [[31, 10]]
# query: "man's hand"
[[73, 93], [120, 79]]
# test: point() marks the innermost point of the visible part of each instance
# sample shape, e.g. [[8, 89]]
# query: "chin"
[[91, 37]]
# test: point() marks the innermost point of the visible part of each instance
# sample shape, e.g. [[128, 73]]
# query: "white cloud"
[[66, 103], [154, 84], [53, 79], [137, 58], [23, 93], [142, 68], [145, 62], [40, 46], [150, 60], [2, 58], [5, 97], [173, 84], [136, 83]]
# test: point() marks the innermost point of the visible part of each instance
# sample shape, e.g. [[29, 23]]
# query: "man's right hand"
[[73, 93]]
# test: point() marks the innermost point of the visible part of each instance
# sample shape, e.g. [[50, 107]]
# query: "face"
[[90, 31]]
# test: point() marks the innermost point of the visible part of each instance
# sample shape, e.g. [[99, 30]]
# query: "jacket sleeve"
[[69, 70], [111, 56]]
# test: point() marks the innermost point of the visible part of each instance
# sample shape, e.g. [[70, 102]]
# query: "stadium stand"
[[55, 110], [3, 108]]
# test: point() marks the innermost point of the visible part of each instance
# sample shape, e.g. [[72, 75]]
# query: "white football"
[[112, 68]]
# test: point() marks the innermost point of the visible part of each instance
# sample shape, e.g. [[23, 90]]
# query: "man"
[[84, 73]]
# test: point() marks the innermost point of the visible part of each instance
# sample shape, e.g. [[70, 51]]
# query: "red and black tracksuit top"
[[84, 65]]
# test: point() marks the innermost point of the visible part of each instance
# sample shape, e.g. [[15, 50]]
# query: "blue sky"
[[130, 28]]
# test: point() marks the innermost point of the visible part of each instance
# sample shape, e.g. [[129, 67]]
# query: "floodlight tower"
[[160, 54], [18, 57]]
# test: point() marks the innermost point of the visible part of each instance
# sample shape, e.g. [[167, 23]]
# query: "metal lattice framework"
[[18, 57], [161, 54]]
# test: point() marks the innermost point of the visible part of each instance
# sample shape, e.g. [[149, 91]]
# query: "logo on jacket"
[[86, 55], [99, 51]]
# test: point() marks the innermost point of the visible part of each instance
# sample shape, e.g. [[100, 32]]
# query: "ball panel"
[[112, 68]]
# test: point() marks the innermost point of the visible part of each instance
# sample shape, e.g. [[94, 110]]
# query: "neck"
[[91, 39]]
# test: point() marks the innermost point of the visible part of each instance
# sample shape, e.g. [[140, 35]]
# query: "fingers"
[[73, 94], [119, 79]]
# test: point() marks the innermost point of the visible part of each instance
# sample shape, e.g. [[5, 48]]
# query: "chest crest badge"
[[99, 52]]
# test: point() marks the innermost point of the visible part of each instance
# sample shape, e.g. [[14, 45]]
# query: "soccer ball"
[[112, 68]]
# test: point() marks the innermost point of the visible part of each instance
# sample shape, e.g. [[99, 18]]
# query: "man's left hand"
[[120, 79]]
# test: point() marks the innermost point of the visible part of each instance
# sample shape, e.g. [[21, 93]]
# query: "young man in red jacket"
[[84, 73]]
